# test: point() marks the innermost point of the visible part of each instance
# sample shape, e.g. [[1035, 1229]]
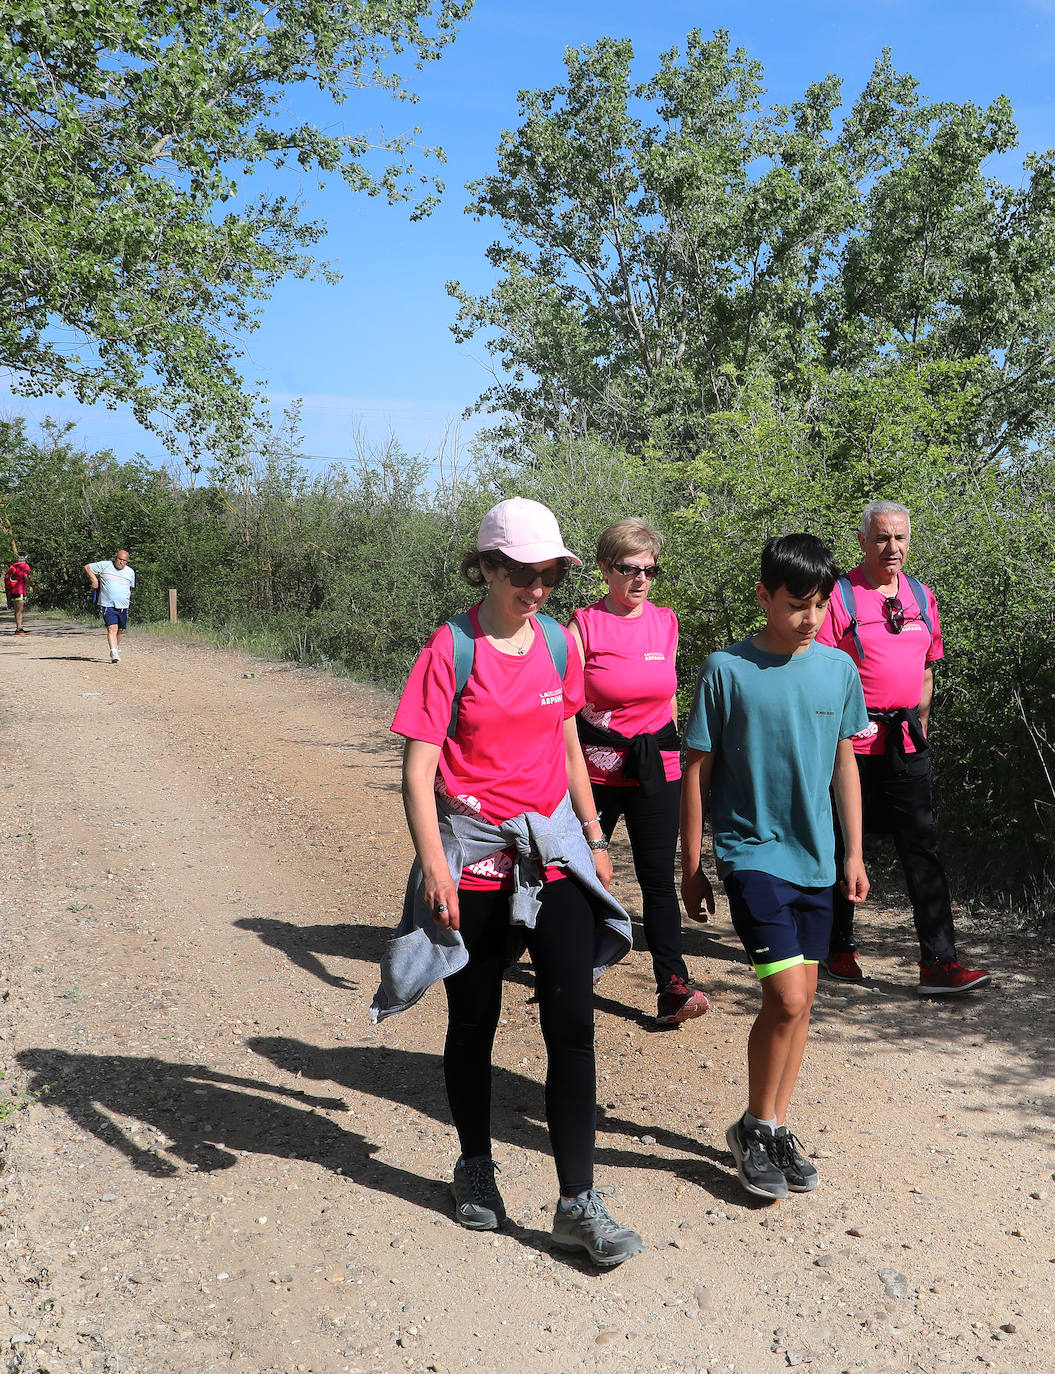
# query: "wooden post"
[[172, 604]]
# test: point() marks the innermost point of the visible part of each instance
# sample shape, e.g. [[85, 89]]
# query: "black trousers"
[[652, 828], [900, 804], [561, 948]]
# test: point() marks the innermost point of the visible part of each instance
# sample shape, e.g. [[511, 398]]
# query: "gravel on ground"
[[212, 1161]]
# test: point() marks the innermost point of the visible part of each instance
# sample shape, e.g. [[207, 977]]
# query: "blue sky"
[[374, 355]]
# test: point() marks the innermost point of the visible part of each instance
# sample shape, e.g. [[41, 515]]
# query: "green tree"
[[67, 507], [131, 253], [662, 239]]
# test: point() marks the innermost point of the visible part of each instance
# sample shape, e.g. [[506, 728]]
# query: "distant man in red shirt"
[[16, 585], [888, 624]]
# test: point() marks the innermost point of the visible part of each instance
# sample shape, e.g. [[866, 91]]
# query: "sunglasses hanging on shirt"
[[894, 613]]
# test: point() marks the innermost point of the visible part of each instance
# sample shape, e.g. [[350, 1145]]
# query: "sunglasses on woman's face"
[[523, 575], [633, 570]]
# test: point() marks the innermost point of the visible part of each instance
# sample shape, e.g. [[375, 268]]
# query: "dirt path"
[[229, 1169]]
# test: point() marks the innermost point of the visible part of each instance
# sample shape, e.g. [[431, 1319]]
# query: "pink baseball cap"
[[525, 531]]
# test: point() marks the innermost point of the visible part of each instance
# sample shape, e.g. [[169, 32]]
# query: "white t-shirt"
[[115, 584]]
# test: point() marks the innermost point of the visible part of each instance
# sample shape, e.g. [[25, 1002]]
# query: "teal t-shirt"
[[772, 722]]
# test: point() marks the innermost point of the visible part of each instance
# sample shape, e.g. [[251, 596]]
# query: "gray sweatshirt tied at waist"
[[422, 952]]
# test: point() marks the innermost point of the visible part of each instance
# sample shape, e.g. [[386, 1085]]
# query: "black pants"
[[652, 828], [561, 947], [901, 805]]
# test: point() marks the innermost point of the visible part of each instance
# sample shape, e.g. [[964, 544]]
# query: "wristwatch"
[[602, 843]]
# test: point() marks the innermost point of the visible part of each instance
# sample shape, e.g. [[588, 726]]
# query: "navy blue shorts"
[[112, 616], [779, 923]]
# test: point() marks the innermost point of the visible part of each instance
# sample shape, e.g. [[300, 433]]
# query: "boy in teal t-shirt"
[[768, 740]]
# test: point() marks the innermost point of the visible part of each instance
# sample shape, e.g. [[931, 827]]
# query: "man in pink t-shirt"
[[893, 636]]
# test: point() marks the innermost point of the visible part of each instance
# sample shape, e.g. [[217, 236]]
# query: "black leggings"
[[652, 828], [900, 804], [561, 947]]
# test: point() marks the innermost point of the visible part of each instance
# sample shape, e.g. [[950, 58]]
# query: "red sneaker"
[[679, 1002], [843, 965], [946, 979]]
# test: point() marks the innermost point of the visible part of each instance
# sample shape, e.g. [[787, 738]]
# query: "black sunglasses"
[[894, 613], [522, 575], [634, 570]]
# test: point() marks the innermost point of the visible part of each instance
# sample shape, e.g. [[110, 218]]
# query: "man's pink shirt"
[[894, 665]]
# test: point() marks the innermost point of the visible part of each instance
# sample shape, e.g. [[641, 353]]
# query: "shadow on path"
[[207, 1119], [303, 945], [73, 658], [168, 1118], [415, 1078]]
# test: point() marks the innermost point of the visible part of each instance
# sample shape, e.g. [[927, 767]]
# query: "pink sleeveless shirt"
[[630, 678]]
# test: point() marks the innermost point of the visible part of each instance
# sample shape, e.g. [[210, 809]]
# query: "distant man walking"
[[888, 624], [114, 580], [16, 587]]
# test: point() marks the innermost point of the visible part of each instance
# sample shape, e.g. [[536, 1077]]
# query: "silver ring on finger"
[[442, 906]]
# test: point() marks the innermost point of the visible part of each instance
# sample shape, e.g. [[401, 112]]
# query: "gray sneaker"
[[757, 1171], [589, 1225], [786, 1154], [477, 1202]]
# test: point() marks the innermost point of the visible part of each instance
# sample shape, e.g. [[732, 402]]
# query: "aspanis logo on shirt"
[[465, 804], [553, 697], [655, 658]]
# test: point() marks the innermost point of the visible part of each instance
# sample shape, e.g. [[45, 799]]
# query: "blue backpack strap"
[[919, 591], [850, 603], [461, 628], [555, 642]]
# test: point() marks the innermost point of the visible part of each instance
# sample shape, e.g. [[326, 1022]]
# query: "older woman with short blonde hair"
[[628, 728]]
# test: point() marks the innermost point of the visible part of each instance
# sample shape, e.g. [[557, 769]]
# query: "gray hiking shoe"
[[589, 1226], [758, 1173], [786, 1154], [477, 1202]]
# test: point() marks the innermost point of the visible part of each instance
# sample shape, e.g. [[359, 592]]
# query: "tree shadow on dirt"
[[370, 744], [45, 629], [377, 749]]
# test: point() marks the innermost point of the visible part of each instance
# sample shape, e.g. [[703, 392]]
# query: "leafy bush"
[[355, 567]]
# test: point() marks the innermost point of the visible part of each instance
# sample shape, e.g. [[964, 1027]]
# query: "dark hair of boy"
[[802, 563]]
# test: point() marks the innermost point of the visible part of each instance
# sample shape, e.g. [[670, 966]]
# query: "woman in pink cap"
[[508, 845], [629, 736]]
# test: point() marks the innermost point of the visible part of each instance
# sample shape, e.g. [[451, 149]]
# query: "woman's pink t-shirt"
[[507, 755], [630, 678]]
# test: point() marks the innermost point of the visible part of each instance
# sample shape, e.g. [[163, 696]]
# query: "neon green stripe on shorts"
[[765, 970]]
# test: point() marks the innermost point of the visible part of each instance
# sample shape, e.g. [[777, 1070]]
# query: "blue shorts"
[[113, 616], [779, 924]]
